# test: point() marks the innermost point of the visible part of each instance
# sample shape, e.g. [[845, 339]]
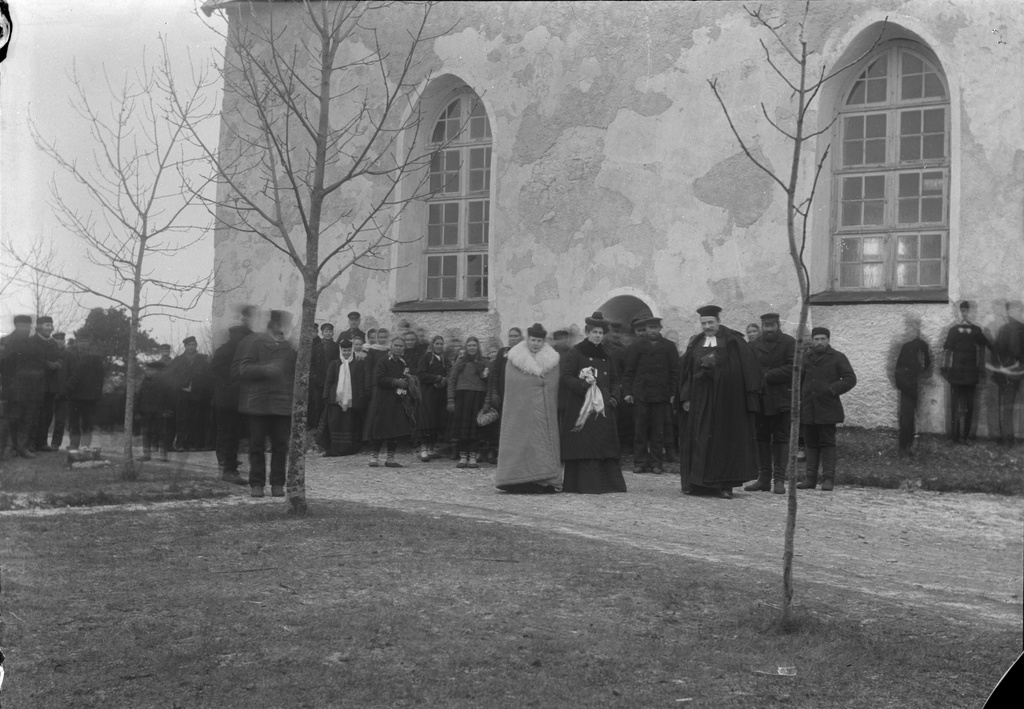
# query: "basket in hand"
[[486, 417]]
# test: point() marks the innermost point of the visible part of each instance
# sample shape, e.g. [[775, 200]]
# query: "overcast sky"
[[102, 37]]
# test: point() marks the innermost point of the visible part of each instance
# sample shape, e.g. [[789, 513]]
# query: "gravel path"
[[958, 553]]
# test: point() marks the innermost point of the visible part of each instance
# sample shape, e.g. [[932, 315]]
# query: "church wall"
[[614, 171]]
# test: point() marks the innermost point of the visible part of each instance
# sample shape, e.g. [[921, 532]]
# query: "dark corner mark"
[[6, 28]]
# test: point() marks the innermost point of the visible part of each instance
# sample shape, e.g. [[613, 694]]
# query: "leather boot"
[[828, 468], [764, 469], [810, 480], [780, 454]]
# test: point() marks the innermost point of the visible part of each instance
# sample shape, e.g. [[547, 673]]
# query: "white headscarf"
[[343, 392]]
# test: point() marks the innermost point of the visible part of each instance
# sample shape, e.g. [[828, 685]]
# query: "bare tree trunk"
[[295, 482], [128, 471]]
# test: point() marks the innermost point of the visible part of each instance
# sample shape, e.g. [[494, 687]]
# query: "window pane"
[[876, 124], [872, 248], [851, 214], [854, 127], [433, 289], [879, 67], [908, 211], [931, 210], [906, 274], [433, 266], [850, 250], [910, 149], [873, 275], [935, 120], [451, 266], [857, 94], [852, 187], [850, 276], [910, 122], [907, 247], [874, 152], [476, 280], [853, 152], [909, 184], [931, 246], [448, 288], [874, 212], [877, 89], [933, 86], [874, 186], [931, 273], [911, 63], [934, 147], [912, 87]]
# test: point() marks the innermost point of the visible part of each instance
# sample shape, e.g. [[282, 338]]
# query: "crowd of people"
[[549, 414]]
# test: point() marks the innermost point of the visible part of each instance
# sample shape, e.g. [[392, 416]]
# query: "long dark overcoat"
[[776, 360], [826, 377], [598, 439], [265, 369], [652, 370], [225, 386], [719, 438], [387, 418]]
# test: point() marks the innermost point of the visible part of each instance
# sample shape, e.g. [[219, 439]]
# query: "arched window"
[[891, 191], [459, 202]]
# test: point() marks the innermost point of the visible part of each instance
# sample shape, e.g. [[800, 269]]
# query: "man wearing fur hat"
[[827, 375], [775, 352], [649, 383], [720, 393], [190, 374]]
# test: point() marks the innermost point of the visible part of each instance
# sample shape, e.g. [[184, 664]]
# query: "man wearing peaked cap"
[[720, 391], [827, 375], [776, 353]]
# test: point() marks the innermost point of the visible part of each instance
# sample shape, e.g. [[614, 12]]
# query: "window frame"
[[891, 229], [475, 163]]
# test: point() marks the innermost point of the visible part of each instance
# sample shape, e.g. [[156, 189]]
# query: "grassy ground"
[[869, 458], [47, 481], [237, 605]]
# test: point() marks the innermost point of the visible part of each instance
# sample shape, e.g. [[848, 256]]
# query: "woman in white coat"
[[529, 460]]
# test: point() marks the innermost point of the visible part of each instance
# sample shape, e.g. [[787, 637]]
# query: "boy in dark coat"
[[827, 375], [963, 366], [84, 389], [649, 383]]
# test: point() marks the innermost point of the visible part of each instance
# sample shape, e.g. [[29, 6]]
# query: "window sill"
[[440, 306], [879, 297]]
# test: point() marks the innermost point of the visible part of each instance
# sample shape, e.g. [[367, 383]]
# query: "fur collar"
[[537, 364]]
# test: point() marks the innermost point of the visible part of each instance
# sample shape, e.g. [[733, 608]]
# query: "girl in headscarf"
[[529, 459], [432, 369], [467, 389], [590, 442]]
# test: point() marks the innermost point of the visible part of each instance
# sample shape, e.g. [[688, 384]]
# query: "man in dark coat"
[[324, 351], [225, 404], [827, 375], [963, 366], [86, 372], [23, 370], [649, 384], [1008, 361], [775, 352], [353, 330], [720, 392], [60, 405], [190, 373], [913, 362], [264, 365], [53, 362]]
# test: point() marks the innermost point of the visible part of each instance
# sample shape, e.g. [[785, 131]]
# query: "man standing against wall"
[[720, 393], [1008, 356], [963, 366], [775, 352], [827, 375], [913, 362], [649, 384]]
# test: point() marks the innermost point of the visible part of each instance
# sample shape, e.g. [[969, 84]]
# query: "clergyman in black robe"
[[721, 383]]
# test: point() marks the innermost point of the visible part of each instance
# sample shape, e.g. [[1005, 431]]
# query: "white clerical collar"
[[710, 341]]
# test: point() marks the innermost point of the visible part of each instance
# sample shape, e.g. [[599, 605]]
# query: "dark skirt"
[[343, 431], [462, 424], [593, 476], [433, 412]]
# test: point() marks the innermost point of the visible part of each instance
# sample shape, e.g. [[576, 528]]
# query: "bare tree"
[[139, 189], [47, 294], [805, 88], [319, 106]]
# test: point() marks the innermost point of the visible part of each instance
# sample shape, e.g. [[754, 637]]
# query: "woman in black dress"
[[589, 431], [432, 370], [388, 419]]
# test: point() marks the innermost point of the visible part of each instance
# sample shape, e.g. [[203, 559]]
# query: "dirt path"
[[961, 554]]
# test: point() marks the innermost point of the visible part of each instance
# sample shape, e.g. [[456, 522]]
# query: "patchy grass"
[[354, 606], [869, 458], [47, 481]]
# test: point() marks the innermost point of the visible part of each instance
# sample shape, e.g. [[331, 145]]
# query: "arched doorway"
[[621, 309]]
